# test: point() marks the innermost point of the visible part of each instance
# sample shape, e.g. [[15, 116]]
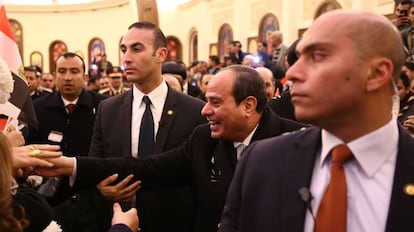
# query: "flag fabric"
[[9, 50]]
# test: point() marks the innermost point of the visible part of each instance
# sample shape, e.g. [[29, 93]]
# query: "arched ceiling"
[[41, 6], [60, 5]]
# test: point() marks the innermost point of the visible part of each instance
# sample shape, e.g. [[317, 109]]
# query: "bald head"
[[269, 81], [353, 57], [383, 38], [276, 38]]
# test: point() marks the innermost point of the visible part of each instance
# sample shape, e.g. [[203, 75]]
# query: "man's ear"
[[161, 54], [249, 105], [379, 74]]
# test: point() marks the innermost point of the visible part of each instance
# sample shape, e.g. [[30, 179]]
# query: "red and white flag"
[[20, 100], [9, 51]]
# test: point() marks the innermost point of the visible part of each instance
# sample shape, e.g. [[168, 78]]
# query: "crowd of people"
[[249, 143]]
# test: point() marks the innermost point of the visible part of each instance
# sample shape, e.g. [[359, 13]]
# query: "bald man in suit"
[[283, 189]]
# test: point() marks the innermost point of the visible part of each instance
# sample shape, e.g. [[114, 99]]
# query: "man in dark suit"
[[56, 125], [117, 128], [237, 115], [289, 189]]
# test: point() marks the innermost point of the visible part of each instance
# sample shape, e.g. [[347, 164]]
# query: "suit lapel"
[[125, 119], [298, 169], [225, 152], [400, 213], [167, 119]]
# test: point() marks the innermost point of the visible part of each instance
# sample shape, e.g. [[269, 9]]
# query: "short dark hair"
[[173, 67], [409, 65], [405, 80], [215, 59], [404, 2], [72, 55], [159, 37], [236, 43], [248, 83]]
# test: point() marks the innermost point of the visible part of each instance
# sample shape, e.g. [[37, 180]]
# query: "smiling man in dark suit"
[[294, 188], [237, 114]]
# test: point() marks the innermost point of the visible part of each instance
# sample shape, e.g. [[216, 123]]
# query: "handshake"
[[41, 159], [37, 159]]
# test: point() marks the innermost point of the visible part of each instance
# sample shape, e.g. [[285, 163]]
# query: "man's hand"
[[128, 218], [27, 158], [409, 124], [401, 21], [62, 165], [15, 138], [121, 191]]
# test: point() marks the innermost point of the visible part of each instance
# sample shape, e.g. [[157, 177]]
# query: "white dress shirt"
[[369, 178], [157, 97], [66, 103]]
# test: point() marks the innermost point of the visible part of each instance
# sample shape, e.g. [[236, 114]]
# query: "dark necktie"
[[332, 211], [146, 134], [70, 108]]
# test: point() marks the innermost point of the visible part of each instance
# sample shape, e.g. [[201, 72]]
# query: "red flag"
[[9, 51]]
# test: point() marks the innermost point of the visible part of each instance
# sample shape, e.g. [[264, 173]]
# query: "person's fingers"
[[49, 154], [124, 182], [108, 180], [117, 207], [45, 147], [39, 162]]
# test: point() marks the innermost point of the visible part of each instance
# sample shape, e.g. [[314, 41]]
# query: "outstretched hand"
[[62, 165], [128, 218], [27, 158]]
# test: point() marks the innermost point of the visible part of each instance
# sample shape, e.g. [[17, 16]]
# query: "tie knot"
[[70, 108], [146, 100], [239, 149], [341, 153]]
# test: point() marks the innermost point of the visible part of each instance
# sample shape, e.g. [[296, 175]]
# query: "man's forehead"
[[137, 35]]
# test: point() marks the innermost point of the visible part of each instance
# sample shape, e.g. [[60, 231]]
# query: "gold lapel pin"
[[170, 112], [409, 189]]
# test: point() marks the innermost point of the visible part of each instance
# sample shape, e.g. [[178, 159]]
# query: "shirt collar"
[[369, 155], [157, 96], [248, 139], [66, 102]]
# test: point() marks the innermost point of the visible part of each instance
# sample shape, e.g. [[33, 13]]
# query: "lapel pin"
[[409, 189], [170, 112]]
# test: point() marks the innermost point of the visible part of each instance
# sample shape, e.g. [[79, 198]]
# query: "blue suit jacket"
[[264, 194]]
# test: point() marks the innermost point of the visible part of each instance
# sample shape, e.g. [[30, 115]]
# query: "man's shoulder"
[[104, 90], [47, 100], [287, 140], [188, 100], [96, 95], [118, 99]]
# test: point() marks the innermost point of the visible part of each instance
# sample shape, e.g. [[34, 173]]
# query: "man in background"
[[47, 82], [33, 78], [66, 118]]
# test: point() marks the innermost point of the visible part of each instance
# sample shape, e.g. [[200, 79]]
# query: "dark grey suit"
[[264, 195]]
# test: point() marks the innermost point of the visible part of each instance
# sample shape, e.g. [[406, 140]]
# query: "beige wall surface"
[[76, 29]]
